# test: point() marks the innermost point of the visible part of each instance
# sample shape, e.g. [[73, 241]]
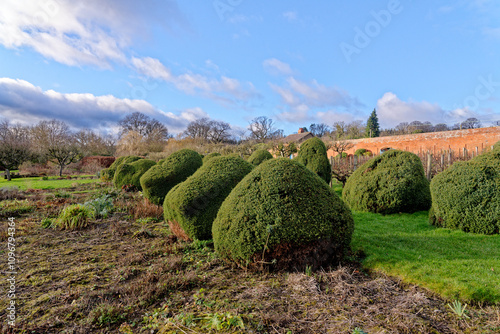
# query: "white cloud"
[[22, 102], [275, 66], [391, 111], [94, 32], [224, 89]]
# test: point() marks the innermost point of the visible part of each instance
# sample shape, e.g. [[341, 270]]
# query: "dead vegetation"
[[114, 277]]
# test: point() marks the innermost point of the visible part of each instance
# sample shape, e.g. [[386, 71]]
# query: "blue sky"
[[92, 62]]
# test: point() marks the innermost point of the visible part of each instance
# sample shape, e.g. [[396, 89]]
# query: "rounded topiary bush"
[[191, 206], [130, 173], [159, 179], [390, 183], [259, 157], [362, 151], [210, 156], [312, 154], [284, 216], [108, 174], [466, 196]]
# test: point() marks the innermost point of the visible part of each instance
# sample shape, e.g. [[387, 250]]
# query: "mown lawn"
[[51, 183]]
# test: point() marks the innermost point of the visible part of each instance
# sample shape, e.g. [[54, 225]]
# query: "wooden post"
[[465, 153], [442, 161], [429, 165], [355, 162]]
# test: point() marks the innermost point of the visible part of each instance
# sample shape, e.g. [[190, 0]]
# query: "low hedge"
[[210, 156], [259, 157], [312, 154], [108, 174], [283, 216], [130, 173], [191, 206], [176, 168], [466, 196], [392, 182]]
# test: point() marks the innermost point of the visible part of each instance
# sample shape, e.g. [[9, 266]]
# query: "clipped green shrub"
[[390, 183], [130, 173], [312, 154], [191, 206], [73, 217], [159, 179], [466, 196], [362, 151], [284, 216], [259, 157], [108, 174], [210, 156]]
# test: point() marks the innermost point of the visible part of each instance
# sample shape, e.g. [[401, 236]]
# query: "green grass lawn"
[[39, 183], [452, 263]]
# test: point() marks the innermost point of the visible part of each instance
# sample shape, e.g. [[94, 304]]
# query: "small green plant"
[[100, 207], [144, 229], [308, 271], [45, 178], [358, 330], [62, 194], [458, 309], [46, 223], [11, 208], [73, 217]]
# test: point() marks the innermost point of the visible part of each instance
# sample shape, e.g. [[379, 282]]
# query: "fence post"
[[429, 165], [355, 162]]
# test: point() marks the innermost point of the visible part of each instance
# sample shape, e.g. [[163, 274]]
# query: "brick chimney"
[[301, 130]]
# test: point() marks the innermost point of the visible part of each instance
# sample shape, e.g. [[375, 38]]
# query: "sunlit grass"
[[38, 183]]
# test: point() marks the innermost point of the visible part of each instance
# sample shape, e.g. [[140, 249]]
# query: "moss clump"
[[466, 196], [312, 154], [390, 183], [108, 174], [259, 157], [130, 173], [159, 179], [283, 215], [210, 156], [191, 206]]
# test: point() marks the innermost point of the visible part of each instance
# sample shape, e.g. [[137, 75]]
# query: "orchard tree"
[[372, 126], [262, 128], [14, 146], [56, 142]]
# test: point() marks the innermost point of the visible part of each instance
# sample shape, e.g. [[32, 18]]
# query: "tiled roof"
[[297, 137]]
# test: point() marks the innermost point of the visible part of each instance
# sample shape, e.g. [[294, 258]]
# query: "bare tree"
[[91, 143], [355, 129], [403, 128], [54, 140], [339, 130], [15, 147], [144, 125], [470, 123], [199, 129], [319, 129], [340, 146], [262, 128], [219, 131], [441, 127]]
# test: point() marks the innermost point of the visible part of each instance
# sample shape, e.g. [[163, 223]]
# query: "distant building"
[[298, 137]]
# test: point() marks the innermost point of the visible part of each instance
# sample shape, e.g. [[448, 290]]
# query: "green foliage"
[[194, 203], [312, 154], [284, 150], [282, 204], [159, 179], [466, 196], [130, 173], [210, 156], [372, 126], [14, 208], [259, 157], [47, 223], [108, 174], [362, 151], [100, 207], [458, 309], [390, 183], [73, 217]]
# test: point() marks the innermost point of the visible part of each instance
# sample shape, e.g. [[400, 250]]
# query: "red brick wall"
[[434, 141], [101, 160]]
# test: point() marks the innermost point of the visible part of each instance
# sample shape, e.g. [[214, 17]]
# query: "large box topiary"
[[259, 156], [191, 206], [283, 216], [176, 168], [130, 173], [312, 154], [466, 196], [108, 174], [392, 182]]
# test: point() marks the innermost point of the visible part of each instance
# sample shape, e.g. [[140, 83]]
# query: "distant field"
[[39, 183]]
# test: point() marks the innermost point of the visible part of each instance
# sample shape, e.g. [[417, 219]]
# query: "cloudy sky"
[[92, 62]]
